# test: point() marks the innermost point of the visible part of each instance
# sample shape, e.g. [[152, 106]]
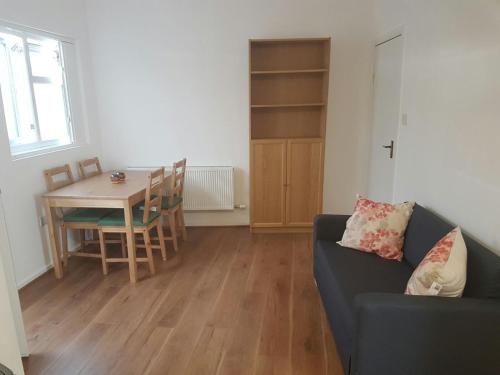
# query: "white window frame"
[[21, 151]]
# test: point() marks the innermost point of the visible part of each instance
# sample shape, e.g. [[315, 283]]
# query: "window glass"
[[50, 106], [34, 92], [5, 86], [45, 62]]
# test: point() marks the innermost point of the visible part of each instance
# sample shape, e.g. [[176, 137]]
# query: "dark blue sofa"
[[379, 330]]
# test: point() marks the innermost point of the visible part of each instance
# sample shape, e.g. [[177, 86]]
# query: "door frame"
[[399, 31], [8, 266]]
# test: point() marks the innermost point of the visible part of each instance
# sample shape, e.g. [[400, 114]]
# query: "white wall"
[[448, 154], [172, 81], [21, 181]]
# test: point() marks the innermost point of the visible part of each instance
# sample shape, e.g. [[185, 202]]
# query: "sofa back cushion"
[[483, 266]]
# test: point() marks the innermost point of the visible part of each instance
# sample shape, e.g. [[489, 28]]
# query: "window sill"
[[43, 151]]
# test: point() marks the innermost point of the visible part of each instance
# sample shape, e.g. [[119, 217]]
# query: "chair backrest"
[[154, 193], [176, 188], [53, 183], [83, 168]]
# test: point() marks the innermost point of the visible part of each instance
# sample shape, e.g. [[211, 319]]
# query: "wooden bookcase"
[[288, 105]]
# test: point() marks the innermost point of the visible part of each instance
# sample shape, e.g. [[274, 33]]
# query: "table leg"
[[132, 263], [56, 259]]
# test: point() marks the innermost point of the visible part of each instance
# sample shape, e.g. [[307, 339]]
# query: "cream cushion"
[[378, 228], [443, 271]]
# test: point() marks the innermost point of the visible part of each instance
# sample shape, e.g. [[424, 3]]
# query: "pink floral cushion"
[[443, 270], [378, 228]]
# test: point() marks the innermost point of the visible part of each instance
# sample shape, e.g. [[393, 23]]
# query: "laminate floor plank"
[[231, 297], [78, 352], [274, 349], [241, 350], [132, 317], [229, 302], [308, 356], [209, 351], [66, 321], [174, 356], [182, 286]]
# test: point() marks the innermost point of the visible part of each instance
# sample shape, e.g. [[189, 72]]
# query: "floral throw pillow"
[[378, 228], [443, 270]]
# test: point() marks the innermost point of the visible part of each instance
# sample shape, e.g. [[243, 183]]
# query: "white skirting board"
[[217, 218]]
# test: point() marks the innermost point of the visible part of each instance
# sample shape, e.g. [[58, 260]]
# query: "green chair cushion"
[[165, 204], [117, 218], [86, 215]]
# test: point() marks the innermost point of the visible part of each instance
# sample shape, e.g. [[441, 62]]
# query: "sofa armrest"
[[329, 227], [399, 334]]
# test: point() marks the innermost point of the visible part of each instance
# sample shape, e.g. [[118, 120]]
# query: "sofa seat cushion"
[[349, 272]]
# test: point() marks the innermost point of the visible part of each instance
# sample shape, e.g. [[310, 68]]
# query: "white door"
[[387, 93]]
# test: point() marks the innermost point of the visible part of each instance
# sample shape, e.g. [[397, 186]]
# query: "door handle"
[[391, 147]]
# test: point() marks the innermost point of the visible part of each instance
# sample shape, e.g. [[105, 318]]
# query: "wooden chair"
[[83, 166], [144, 221], [53, 183], [89, 168], [172, 207], [78, 219]]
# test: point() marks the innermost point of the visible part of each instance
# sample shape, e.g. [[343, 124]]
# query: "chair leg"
[[103, 252], [183, 223], [161, 239], [64, 239], [178, 223], [123, 239], [82, 239], [149, 251], [173, 230]]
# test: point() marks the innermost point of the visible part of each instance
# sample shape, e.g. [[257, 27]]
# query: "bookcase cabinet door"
[[304, 181], [268, 179]]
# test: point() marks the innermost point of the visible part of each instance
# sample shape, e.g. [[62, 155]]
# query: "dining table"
[[98, 192]]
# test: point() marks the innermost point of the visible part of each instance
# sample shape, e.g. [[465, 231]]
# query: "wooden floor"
[[228, 303]]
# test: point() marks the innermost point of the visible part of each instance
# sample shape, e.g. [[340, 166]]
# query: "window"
[[34, 92]]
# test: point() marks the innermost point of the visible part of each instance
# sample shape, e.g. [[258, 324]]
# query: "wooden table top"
[[100, 187]]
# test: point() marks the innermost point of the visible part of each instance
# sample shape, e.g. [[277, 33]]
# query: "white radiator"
[[209, 189], [206, 188]]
